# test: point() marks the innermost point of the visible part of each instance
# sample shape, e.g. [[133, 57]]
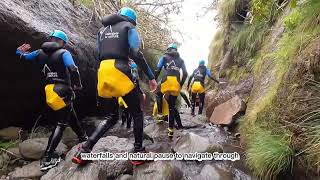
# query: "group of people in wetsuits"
[[119, 55]]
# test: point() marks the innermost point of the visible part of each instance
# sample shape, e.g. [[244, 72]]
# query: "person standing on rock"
[[117, 41], [62, 78], [197, 87], [171, 82]]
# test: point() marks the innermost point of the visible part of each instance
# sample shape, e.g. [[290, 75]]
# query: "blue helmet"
[[59, 34], [173, 46], [202, 62], [128, 12], [133, 65]]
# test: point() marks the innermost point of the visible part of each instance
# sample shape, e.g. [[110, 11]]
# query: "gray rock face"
[[32, 21], [97, 169], [34, 148], [209, 172], [159, 170], [30, 171]]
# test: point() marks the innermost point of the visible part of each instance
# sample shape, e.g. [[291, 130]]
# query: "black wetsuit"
[[172, 63], [63, 74], [199, 75], [113, 44]]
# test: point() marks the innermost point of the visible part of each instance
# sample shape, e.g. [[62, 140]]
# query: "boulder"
[[31, 22], [14, 152], [34, 148], [242, 89], [210, 172], [30, 171], [125, 177], [191, 142], [96, 169], [10, 133], [158, 170], [224, 114]]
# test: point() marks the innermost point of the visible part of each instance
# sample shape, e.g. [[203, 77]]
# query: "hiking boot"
[[49, 161], [77, 156], [83, 138], [138, 162], [170, 133]]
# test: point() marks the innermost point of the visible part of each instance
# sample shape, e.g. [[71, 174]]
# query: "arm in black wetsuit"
[[190, 78], [185, 74]]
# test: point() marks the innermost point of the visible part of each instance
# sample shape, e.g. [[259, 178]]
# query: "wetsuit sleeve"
[[159, 67], [208, 73], [136, 54], [134, 40], [190, 78], [185, 74], [73, 69], [27, 56], [98, 47]]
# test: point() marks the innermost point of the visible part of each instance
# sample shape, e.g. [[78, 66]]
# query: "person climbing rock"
[[171, 81], [197, 88], [118, 41], [61, 78]]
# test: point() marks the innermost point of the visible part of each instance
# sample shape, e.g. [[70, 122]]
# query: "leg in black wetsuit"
[[201, 104], [193, 102], [172, 112]]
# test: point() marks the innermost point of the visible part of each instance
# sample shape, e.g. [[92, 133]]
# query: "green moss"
[[8, 144], [227, 9], [87, 3], [292, 20], [235, 74], [216, 48], [268, 153]]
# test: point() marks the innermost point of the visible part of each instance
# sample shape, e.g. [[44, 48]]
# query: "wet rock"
[[69, 171], [242, 89], [155, 130], [4, 160], [30, 171], [158, 170], [34, 148], [96, 169], [31, 21], [14, 152], [209, 172], [191, 142], [225, 113], [125, 177], [10, 133]]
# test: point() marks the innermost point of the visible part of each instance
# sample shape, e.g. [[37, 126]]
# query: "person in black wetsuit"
[[171, 82], [198, 76], [61, 79], [118, 41], [125, 115]]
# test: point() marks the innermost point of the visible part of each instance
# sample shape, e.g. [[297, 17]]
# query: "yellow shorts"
[[165, 108], [197, 87], [54, 101], [171, 86], [111, 81]]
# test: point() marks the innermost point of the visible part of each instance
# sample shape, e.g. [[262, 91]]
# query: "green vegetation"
[[216, 47], [263, 49], [8, 144], [269, 154], [227, 10]]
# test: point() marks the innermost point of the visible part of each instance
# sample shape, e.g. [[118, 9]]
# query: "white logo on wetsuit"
[[198, 74], [47, 71], [172, 65], [108, 35]]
